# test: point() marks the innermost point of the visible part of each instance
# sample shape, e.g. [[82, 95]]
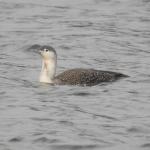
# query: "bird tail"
[[120, 75]]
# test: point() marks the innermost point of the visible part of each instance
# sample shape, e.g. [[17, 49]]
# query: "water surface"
[[102, 34]]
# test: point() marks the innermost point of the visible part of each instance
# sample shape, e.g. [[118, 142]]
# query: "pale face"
[[48, 54]]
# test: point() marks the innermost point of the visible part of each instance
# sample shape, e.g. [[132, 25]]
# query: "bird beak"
[[40, 52]]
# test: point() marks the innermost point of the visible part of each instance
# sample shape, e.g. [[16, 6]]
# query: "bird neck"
[[48, 71]]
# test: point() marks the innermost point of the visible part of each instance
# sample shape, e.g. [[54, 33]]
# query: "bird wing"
[[84, 76]]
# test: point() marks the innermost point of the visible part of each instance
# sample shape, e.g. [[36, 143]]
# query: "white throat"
[[48, 71]]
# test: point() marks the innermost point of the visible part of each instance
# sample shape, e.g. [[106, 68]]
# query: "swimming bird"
[[77, 76]]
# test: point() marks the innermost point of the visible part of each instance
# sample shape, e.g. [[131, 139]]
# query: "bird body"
[[88, 77], [77, 76]]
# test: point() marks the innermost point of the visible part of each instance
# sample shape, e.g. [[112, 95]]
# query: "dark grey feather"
[[88, 77], [47, 47]]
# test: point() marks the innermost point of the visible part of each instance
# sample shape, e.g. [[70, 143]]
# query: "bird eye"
[[46, 50]]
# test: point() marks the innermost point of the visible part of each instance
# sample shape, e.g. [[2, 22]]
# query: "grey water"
[[102, 34]]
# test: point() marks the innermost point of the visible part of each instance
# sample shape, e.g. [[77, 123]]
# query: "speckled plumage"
[[78, 76], [88, 77]]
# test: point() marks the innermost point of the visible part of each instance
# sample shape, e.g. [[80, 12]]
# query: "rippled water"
[[103, 34]]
